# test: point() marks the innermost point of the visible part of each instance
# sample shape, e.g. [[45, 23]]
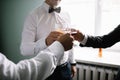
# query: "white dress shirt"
[[37, 68], [37, 27]]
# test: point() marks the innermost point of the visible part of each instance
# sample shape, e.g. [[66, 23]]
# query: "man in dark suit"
[[99, 41]]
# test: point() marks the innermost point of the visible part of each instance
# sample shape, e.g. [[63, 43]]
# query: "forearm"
[[30, 48], [101, 41], [28, 69], [105, 40], [37, 68]]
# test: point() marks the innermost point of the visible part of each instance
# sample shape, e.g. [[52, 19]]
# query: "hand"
[[78, 35], [66, 41], [53, 36], [73, 70]]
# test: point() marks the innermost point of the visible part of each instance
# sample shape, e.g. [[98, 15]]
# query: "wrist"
[[82, 37], [73, 64]]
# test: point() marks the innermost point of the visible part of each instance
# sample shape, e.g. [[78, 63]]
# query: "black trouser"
[[118, 75], [62, 72]]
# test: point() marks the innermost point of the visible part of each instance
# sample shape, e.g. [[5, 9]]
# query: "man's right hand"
[[53, 36], [78, 35], [67, 41]]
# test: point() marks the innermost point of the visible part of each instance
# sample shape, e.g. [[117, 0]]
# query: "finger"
[[72, 29], [72, 75], [68, 34], [54, 38], [56, 35], [56, 32], [72, 37]]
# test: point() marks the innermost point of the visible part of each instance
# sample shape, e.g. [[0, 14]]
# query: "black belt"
[[62, 65]]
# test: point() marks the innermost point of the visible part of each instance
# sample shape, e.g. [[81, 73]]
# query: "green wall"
[[12, 17]]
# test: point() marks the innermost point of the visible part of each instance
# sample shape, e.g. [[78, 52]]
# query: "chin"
[[56, 4]]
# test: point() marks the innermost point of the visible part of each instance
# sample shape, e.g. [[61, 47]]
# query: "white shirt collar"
[[46, 6]]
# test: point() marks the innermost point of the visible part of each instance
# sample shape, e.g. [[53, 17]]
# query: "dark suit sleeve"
[[103, 41]]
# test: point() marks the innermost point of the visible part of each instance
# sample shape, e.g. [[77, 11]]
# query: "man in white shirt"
[[37, 35], [39, 67]]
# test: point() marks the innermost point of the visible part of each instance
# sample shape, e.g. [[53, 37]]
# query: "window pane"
[[94, 17], [110, 17], [82, 14]]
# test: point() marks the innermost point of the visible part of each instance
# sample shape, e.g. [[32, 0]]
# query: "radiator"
[[90, 72]]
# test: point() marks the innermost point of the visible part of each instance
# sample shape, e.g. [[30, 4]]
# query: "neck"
[[50, 4]]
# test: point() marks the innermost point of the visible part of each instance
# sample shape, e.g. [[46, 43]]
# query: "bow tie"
[[56, 10]]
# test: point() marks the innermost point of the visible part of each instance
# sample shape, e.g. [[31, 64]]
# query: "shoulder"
[[36, 13], [36, 10], [65, 14], [63, 11]]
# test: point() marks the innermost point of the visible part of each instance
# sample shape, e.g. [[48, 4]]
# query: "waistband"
[[63, 65]]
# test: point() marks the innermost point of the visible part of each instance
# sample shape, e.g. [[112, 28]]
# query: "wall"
[[12, 16]]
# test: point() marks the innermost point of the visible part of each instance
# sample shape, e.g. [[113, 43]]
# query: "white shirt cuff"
[[40, 45], [57, 49], [83, 42]]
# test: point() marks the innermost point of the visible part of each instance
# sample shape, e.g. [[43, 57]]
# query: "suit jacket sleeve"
[[105, 40]]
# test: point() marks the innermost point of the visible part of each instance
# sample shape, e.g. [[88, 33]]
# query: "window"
[[94, 17]]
